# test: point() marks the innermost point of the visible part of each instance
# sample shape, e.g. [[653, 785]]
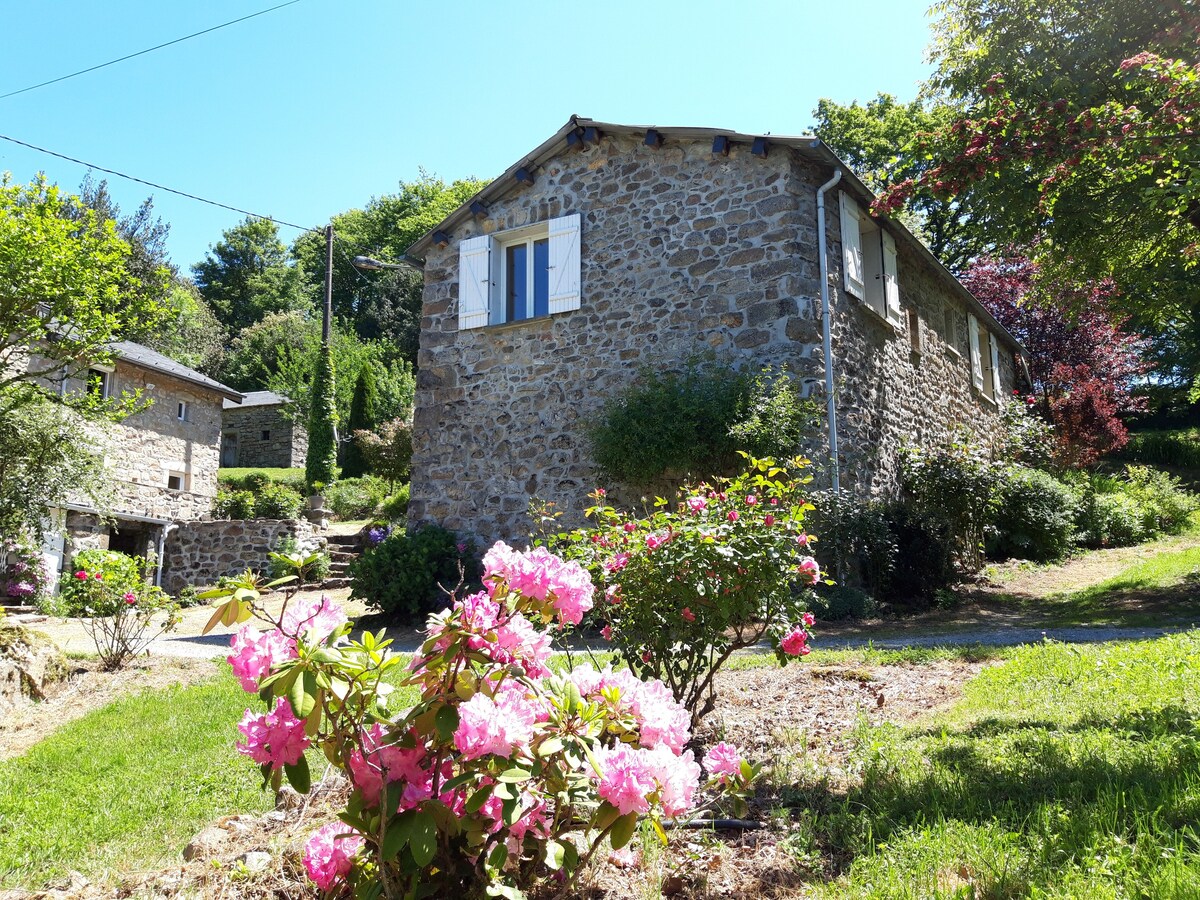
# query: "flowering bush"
[[409, 573], [503, 773], [111, 593], [688, 583], [23, 573]]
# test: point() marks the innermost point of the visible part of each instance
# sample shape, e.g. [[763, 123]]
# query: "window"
[[519, 274], [985, 359], [177, 481], [952, 331], [266, 435], [181, 411], [914, 330], [869, 261], [99, 383]]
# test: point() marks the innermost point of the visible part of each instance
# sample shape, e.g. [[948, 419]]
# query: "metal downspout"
[[162, 543], [826, 337]]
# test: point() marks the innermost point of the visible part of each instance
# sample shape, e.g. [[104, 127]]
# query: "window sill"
[[980, 395], [505, 326], [953, 352]]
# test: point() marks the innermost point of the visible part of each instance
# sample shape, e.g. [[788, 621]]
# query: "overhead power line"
[[159, 187], [113, 62]]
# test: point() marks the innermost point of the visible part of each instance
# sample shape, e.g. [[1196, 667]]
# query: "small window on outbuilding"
[[99, 383], [177, 481], [951, 331], [914, 330], [181, 411], [266, 434]]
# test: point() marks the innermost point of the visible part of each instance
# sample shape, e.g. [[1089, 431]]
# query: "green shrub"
[[1179, 448], [1166, 506], [1109, 520], [409, 573], [315, 572], [1033, 518], [276, 501], [925, 557], [395, 507], [356, 498], [857, 546], [241, 479], [834, 603], [696, 421], [1136, 506], [233, 505]]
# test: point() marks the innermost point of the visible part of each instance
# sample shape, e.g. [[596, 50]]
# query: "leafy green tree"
[[248, 274], [364, 416], [382, 305], [877, 140], [321, 462], [1075, 136], [62, 270], [191, 333]]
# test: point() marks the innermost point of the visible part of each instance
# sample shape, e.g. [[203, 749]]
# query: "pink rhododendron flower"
[[809, 569], [618, 562], [276, 738], [808, 619], [688, 615], [660, 719], [256, 652], [795, 642], [517, 640], [384, 763], [540, 575], [723, 760], [677, 777], [313, 620], [329, 854], [499, 725], [697, 504], [732, 516], [625, 779], [498, 561]]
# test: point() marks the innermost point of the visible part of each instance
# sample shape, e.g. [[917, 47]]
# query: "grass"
[[236, 476], [126, 786], [1064, 772], [1169, 447]]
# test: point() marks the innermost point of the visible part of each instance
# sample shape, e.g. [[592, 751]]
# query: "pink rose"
[[618, 562], [606, 632], [697, 504], [795, 642], [802, 539], [81, 575], [768, 520], [98, 576], [751, 500], [732, 516], [809, 569], [808, 619], [688, 615], [630, 527], [130, 598]]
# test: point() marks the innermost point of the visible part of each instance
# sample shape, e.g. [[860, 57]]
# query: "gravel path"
[[1003, 637]]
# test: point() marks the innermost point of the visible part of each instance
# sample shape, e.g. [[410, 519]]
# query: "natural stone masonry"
[[199, 553], [682, 252], [265, 437]]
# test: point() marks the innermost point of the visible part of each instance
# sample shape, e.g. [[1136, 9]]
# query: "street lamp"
[[368, 264]]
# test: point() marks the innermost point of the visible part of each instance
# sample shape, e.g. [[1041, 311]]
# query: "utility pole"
[[326, 322]]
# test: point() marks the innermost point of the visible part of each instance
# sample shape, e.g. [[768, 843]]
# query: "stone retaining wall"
[[199, 553]]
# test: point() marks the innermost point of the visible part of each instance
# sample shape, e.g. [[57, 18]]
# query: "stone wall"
[[283, 446], [199, 553], [682, 253]]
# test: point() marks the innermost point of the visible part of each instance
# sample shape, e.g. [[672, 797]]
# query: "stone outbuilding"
[[611, 248], [162, 461], [257, 433]]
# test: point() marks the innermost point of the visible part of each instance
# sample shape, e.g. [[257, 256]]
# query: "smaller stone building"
[[257, 434]]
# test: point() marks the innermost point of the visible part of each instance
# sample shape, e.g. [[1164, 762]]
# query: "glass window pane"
[[541, 277], [516, 276]]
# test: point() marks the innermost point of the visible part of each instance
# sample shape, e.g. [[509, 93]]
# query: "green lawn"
[[1064, 772], [1162, 588]]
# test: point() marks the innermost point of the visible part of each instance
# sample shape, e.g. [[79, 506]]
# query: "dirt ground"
[[798, 721]]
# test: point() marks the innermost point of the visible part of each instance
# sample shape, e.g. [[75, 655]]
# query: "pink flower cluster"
[[256, 652], [723, 761], [541, 576], [384, 763], [659, 719], [313, 620], [628, 776], [329, 854], [795, 642], [499, 725], [276, 738], [501, 636]]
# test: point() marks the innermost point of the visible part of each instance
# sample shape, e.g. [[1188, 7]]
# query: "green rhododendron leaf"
[[514, 775], [398, 833], [550, 747], [622, 831], [298, 776], [476, 800], [423, 840], [498, 857], [606, 814], [554, 855], [303, 694], [446, 722]]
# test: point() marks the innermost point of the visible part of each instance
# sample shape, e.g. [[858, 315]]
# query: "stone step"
[[343, 541], [339, 568], [25, 618], [342, 555], [332, 584]]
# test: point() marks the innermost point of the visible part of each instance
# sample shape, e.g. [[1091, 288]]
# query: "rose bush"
[[688, 583], [502, 774]]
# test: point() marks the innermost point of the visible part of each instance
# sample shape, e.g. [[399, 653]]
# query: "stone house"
[[256, 434], [611, 248], [163, 460]]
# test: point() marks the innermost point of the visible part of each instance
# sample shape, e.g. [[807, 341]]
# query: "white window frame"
[[530, 235], [106, 380], [181, 411], [184, 479], [869, 262]]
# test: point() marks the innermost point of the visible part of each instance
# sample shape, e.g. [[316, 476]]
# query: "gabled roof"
[[256, 398], [808, 146], [153, 361]]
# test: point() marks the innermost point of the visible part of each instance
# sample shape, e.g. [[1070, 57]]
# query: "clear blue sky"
[[315, 108]]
